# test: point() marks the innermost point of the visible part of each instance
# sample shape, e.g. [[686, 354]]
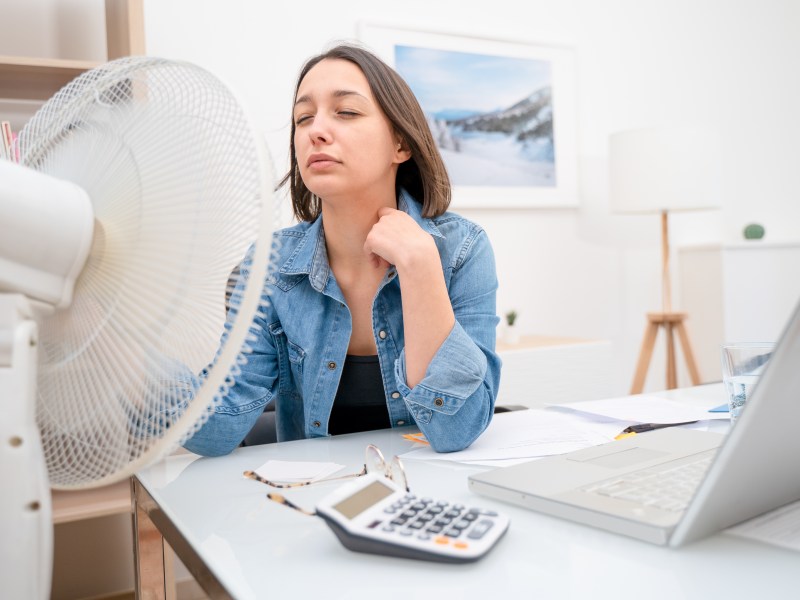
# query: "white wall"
[[734, 66]]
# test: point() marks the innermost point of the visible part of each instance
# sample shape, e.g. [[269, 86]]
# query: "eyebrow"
[[336, 94]]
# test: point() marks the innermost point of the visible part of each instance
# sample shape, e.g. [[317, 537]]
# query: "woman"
[[381, 304]]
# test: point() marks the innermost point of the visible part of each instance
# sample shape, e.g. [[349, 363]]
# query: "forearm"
[[427, 314], [224, 431]]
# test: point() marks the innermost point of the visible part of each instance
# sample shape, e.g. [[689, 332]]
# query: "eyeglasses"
[[374, 462]]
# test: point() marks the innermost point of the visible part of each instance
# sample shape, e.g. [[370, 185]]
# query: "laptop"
[[752, 470]]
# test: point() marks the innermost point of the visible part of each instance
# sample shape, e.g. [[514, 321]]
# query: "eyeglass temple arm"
[[285, 501], [257, 477]]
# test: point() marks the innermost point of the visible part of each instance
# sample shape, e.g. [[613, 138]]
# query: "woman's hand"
[[397, 240]]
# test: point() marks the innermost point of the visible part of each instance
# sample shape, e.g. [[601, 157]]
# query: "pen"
[[642, 427]]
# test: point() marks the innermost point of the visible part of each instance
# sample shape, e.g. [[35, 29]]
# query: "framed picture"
[[502, 113]]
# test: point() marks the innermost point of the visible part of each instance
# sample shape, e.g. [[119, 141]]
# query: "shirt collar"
[[311, 255]]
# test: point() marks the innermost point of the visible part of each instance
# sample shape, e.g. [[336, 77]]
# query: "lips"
[[320, 161]]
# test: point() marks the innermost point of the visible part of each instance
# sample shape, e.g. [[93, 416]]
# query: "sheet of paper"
[[288, 471], [529, 434], [644, 409], [780, 527]]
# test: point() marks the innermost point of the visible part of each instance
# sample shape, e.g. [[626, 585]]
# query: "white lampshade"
[[655, 170]]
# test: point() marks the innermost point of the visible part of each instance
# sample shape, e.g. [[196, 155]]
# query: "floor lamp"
[[663, 171]]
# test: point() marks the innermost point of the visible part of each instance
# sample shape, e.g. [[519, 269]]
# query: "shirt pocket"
[[296, 357], [290, 360]]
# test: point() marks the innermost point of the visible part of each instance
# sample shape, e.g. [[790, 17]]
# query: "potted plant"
[[511, 333]]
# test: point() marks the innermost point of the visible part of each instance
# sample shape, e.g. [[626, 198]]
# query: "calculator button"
[[425, 517], [399, 521], [418, 506], [463, 524], [470, 516], [388, 528], [424, 536], [434, 528], [453, 533], [406, 532], [408, 514], [480, 529], [435, 510], [390, 510], [416, 525], [441, 540], [461, 545], [452, 513], [485, 513], [458, 507]]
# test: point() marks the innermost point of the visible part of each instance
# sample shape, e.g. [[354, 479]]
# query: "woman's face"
[[343, 141]]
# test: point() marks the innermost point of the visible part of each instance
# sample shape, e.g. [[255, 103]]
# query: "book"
[[8, 141]]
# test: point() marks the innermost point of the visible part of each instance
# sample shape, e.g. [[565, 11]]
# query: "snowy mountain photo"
[[491, 116]]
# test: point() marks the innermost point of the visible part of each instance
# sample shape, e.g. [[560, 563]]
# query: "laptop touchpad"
[[620, 458]]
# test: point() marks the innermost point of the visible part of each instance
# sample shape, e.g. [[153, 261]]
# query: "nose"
[[319, 131]]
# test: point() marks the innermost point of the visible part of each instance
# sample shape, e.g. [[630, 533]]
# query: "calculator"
[[376, 516]]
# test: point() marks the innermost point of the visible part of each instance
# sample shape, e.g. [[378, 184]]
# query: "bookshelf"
[[25, 78]]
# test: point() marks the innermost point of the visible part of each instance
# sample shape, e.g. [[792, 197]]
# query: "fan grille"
[[180, 192]]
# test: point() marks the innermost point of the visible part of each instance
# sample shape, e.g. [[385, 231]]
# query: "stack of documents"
[[519, 436]]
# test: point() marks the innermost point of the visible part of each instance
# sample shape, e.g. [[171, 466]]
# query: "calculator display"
[[363, 499]]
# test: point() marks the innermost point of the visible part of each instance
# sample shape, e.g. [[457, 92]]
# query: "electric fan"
[[141, 189]]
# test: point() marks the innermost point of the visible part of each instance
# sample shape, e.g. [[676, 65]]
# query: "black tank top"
[[360, 403]]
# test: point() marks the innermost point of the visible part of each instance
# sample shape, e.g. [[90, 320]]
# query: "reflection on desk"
[[239, 543]]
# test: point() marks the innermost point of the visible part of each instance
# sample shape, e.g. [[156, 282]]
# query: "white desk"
[[238, 543]]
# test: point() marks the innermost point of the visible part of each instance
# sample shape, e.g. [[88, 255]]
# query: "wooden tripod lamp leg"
[[645, 354], [672, 375], [683, 336]]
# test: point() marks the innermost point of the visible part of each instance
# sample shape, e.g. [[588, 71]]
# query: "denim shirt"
[[297, 360]]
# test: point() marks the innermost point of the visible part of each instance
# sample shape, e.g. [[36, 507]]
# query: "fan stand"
[[671, 322], [25, 505]]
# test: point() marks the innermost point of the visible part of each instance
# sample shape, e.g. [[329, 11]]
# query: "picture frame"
[[503, 113]]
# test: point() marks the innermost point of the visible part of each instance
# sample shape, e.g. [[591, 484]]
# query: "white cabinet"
[[736, 293], [541, 370]]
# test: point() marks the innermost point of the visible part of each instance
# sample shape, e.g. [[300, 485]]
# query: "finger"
[[385, 210], [378, 261]]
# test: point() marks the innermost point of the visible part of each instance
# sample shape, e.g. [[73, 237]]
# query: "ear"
[[401, 151]]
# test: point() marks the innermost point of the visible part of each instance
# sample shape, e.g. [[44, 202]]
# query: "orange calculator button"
[[461, 545], [441, 540]]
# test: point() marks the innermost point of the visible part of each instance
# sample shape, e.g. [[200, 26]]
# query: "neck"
[[347, 224]]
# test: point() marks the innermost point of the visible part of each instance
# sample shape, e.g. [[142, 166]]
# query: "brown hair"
[[424, 175]]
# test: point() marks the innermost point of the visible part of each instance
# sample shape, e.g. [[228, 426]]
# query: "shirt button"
[[331, 365], [382, 334], [316, 424], [438, 402], [395, 394], [401, 422]]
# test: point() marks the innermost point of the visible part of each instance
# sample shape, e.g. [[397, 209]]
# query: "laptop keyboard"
[[665, 487]]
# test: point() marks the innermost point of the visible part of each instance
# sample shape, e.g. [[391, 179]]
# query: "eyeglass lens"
[[376, 463]]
